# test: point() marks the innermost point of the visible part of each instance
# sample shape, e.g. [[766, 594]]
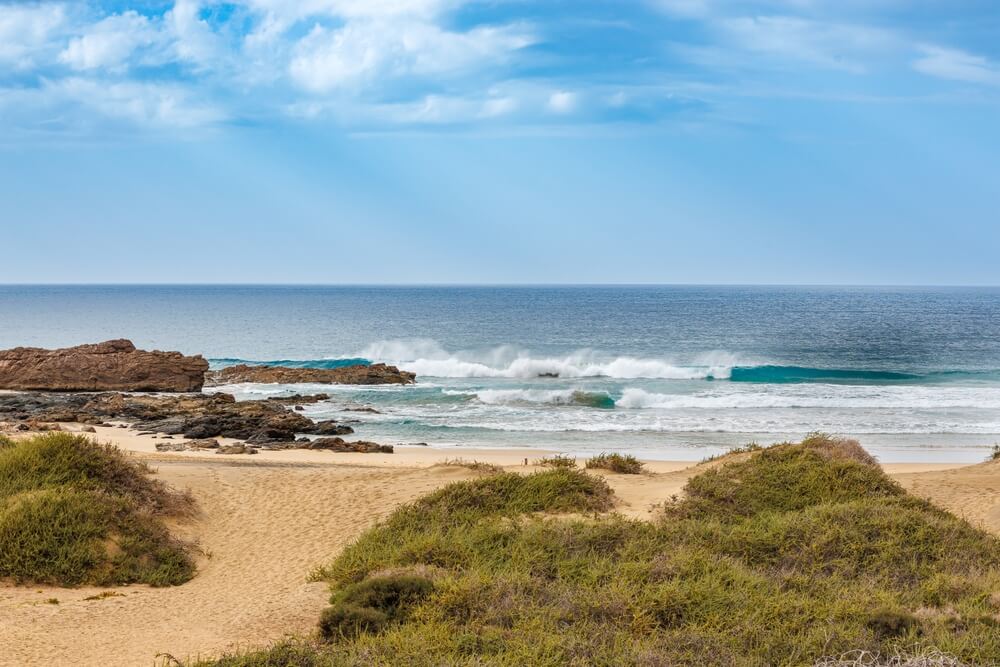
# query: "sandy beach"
[[267, 520]]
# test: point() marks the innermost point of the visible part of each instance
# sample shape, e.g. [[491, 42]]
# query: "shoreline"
[[406, 456]]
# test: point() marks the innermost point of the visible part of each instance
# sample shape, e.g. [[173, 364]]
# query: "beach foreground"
[[267, 520]]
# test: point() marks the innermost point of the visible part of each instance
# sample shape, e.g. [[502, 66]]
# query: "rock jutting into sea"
[[115, 365], [358, 374]]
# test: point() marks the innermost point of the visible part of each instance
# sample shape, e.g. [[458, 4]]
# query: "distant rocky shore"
[[357, 374], [51, 386]]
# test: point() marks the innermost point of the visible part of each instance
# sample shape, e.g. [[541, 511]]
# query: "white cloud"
[[830, 45], [957, 65], [26, 31], [152, 104], [562, 102], [363, 50], [109, 43]]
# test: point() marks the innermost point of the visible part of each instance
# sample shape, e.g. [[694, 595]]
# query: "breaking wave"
[[427, 358]]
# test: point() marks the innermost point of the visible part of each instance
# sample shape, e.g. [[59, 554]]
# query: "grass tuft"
[[625, 464], [475, 466], [556, 461]]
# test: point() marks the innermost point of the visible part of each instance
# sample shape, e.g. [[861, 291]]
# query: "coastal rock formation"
[[114, 365], [341, 445], [359, 374], [201, 418]]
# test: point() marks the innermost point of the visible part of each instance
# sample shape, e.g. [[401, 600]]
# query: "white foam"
[[427, 358]]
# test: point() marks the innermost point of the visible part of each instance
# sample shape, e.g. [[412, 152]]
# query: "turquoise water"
[[669, 372]]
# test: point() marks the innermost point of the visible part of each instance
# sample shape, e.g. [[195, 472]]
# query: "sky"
[[500, 141]]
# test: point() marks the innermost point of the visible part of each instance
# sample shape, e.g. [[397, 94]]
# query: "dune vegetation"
[[788, 555], [74, 512]]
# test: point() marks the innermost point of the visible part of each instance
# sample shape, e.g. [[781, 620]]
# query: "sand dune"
[[267, 520]]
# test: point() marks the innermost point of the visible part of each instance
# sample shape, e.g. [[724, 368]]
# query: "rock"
[[170, 446], [363, 409], [330, 427], [235, 449], [207, 443], [359, 374], [110, 366], [299, 398], [298, 408], [341, 445], [88, 429]]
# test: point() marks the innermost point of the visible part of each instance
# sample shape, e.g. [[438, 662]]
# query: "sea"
[[664, 372]]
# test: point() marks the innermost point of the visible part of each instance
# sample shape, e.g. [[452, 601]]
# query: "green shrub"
[[556, 461], [625, 464], [67, 459], [994, 454], [786, 478], [372, 604], [73, 512], [780, 558]]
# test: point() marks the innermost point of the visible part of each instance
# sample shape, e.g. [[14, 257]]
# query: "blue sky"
[[328, 141]]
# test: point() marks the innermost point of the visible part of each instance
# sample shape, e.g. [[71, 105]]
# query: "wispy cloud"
[[957, 65]]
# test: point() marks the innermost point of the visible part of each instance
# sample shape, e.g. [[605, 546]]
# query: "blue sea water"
[[667, 372]]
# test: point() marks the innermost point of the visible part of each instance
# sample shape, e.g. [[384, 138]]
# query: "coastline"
[[268, 519]]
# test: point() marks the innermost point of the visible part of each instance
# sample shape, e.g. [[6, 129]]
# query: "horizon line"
[[497, 284]]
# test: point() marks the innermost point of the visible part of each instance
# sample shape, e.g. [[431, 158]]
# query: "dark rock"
[[341, 445], [330, 427]]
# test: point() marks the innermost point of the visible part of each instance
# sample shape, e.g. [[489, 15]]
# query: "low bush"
[[475, 466], [372, 605], [625, 464], [556, 461], [781, 558], [73, 512]]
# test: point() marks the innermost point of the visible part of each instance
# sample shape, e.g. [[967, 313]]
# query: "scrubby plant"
[[372, 605], [625, 464], [73, 512], [781, 558], [994, 454], [475, 466], [556, 461]]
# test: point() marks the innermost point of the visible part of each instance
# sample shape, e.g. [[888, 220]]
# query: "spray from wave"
[[428, 358]]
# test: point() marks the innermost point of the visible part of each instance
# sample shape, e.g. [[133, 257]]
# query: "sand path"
[[267, 521]]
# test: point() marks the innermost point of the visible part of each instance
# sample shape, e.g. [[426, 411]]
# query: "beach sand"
[[267, 520]]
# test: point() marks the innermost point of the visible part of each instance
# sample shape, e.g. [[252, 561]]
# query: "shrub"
[[371, 605], [73, 512], [556, 461], [66, 459], [786, 478], [994, 454], [889, 624], [69, 537], [475, 466], [625, 464], [754, 567]]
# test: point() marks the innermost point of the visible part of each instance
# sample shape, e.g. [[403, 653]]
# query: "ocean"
[[665, 372]]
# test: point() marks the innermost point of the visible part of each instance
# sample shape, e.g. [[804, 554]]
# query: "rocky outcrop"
[[341, 445], [114, 365], [198, 417], [360, 374]]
